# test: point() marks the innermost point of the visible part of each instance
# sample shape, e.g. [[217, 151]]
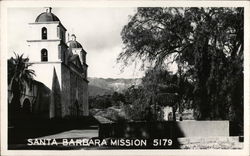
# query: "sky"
[[97, 29]]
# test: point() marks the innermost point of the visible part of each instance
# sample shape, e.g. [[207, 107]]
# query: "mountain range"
[[102, 86]]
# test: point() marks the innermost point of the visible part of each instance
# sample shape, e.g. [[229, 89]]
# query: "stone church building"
[[61, 85]]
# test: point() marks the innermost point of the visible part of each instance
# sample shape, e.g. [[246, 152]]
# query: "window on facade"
[[63, 35], [44, 55], [44, 33], [58, 31], [84, 58]]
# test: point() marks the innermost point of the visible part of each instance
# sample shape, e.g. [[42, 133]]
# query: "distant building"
[[61, 85]]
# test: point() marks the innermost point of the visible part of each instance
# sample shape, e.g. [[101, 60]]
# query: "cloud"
[[96, 28], [107, 67]]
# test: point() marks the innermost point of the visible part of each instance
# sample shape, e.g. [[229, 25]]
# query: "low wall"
[[204, 128], [167, 129]]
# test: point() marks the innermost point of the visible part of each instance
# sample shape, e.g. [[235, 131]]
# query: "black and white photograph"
[[133, 78]]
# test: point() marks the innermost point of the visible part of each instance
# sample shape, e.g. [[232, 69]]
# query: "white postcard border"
[[134, 3]]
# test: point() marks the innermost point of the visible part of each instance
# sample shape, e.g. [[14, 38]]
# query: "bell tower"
[[60, 68], [47, 52], [47, 33]]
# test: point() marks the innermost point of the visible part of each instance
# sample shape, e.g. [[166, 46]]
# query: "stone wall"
[[65, 90], [85, 99], [167, 129], [204, 128], [75, 92]]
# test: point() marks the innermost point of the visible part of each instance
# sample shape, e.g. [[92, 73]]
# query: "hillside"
[[101, 86], [94, 91]]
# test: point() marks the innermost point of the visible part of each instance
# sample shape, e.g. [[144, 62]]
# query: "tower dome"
[[73, 43], [47, 16]]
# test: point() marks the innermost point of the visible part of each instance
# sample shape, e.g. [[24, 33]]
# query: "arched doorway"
[[26, 107], [26, 110]]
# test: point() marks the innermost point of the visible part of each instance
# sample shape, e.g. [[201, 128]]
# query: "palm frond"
[[19, 74]]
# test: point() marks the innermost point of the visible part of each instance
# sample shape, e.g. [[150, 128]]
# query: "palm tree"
[[19, 76]]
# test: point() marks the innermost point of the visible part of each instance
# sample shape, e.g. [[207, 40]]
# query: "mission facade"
[[60, 88]]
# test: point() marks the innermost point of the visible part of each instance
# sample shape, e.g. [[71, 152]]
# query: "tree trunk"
[[174, 110]]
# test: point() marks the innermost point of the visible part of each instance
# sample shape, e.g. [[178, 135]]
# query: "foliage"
[[105, 101], [207, 46], [135, 103], [159, 88], [100, 102], [158, 82], [19, 76]]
